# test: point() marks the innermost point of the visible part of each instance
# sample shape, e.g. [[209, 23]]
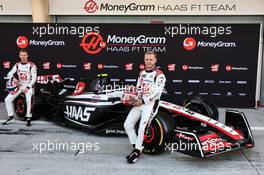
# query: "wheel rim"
[[153, 137], [149, 134], [20, 106]]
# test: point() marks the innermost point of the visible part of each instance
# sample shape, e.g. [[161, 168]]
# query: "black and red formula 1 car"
[[194, 127]]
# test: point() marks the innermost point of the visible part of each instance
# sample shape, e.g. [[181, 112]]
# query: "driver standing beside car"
[[27, 76], [150, 85]]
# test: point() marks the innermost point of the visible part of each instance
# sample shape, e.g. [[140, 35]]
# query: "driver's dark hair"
[[23, 50], [152, 53]]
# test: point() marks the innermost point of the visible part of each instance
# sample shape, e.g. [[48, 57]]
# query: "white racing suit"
[[27, 75], [151, 85]]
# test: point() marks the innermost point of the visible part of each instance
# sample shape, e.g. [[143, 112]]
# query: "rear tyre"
[[20, 106]]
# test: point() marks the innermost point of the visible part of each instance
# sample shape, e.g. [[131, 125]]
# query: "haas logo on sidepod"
[[78, 113]]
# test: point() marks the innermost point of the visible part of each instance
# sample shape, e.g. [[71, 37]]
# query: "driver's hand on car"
[[138, 102]]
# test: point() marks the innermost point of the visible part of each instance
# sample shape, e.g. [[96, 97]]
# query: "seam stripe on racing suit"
[[27, 75], [150, 84]]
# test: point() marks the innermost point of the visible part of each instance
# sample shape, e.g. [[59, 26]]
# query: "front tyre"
[[203, 107], [158, 133]]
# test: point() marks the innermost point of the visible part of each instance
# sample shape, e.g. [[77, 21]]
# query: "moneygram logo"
[[233, 68], [22, 42], [228, 68], [91, 6], [142, 66], [136, 40], [100, 66], [184, 67], [92, 43], [187, 67], [59, 65], [103, 66], [189, 43]]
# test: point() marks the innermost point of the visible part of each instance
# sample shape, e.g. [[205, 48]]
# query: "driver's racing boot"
[[133, 145], [9, 121], [28, 122], [134, 156]]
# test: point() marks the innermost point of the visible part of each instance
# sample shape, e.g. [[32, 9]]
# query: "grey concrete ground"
[[20, 153]]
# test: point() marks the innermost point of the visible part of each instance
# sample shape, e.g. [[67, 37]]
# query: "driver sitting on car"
[[150, 85], [27, 75]]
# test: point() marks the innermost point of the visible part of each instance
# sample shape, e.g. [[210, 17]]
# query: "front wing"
[[209, 143]]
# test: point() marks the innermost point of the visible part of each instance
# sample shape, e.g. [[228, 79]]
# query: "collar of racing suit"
[[150, 70], [24, 63]]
